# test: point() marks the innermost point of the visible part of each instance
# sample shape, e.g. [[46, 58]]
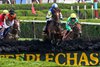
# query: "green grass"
[[4, 62], [64, 19], [14, 63], [30, 18], [90, 20]]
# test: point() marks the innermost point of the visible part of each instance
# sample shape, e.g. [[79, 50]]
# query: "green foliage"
[[26, 28], [90, 20], [42, 9], [15, 6], [31, 18], [23, 12], [44, 6], [66, 13], [29, 29]]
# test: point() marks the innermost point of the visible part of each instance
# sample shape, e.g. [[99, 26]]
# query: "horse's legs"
[[79, 27], [80, 30], [46, 27], [49, 32], [66, 35]]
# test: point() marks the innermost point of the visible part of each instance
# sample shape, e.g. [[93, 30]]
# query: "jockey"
[[50, 12], [72, 20], [11, 16], [9, 20], [2, 16], [49, 15]]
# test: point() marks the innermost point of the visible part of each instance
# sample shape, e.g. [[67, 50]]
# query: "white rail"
[[39, 21]]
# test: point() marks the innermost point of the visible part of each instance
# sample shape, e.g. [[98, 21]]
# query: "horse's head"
[[75, 31], [16, 26], [56, 15]]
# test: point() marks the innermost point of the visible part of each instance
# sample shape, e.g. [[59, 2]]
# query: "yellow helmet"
[[73, 15], [5, 11]]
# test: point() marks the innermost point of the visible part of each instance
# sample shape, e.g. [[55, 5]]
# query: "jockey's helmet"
[[54, 5], [11, 12], [5, 11], [73, 15]]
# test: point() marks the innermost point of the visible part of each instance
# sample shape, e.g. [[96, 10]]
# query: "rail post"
[[34, 30], [85, 11], [92, 11], [78, 11]]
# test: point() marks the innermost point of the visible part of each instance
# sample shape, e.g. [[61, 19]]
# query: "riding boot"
[[46, 27], [6, 31], [1, 35]]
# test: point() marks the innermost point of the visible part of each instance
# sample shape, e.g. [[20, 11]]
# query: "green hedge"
[[66, 13], [27, 30], [44, 6], [30, 18], [29, 13], [41, 9]]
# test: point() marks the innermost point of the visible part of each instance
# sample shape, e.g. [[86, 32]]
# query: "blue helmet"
[[54, 5]]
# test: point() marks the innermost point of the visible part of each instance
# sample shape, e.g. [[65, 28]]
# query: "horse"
[[54, 28], [12, 33], [74, 34]]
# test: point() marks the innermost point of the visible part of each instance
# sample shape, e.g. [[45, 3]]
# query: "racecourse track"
[[46, 46]]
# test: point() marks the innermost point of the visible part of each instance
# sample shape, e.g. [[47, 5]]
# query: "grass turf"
[[14, 63], [4, 62]]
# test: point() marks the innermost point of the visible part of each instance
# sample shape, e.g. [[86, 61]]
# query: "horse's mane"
[[57, 10]]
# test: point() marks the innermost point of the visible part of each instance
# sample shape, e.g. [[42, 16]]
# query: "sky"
[[18, 1]]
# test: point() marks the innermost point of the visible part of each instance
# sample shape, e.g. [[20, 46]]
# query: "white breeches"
[[10, 24]]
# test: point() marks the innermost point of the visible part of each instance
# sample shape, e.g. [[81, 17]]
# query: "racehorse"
[[54, 28], [74, 34], [12, 33]]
